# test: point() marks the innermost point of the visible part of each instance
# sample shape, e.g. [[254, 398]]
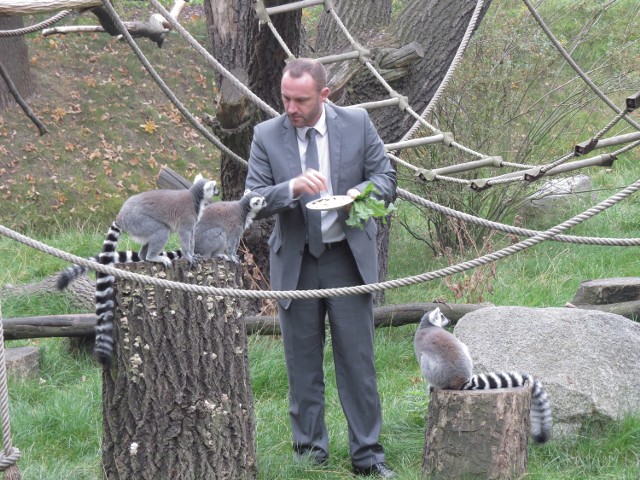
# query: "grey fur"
[[151, 217], [446, 364], [218, 232]]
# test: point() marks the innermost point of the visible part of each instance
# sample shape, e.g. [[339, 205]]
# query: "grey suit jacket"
[[357, 157]]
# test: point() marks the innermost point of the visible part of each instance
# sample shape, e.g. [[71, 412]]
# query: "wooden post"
[[477, 434], [177, 402]]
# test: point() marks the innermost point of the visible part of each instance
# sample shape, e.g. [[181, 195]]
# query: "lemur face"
[[437, 318]]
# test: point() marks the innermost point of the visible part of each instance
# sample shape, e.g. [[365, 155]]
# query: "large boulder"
[[588, 361], [554, 199]]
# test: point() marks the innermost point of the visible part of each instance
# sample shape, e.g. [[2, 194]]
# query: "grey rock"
[[553, 200], [588, 361]]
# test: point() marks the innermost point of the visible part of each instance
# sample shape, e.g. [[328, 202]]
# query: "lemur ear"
[[198, 177]]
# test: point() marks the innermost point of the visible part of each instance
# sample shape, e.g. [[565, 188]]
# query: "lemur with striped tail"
[[217, 234], [446, 364], [149, 218]]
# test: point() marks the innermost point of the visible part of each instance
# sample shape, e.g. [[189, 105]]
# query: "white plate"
[[331, 202]]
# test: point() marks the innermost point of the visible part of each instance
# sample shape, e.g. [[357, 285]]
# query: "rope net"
[[361, 54]]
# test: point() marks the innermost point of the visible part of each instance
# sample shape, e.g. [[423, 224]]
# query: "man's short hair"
[[299, 66]]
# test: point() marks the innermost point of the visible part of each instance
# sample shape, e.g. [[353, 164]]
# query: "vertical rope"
[[10, 455]]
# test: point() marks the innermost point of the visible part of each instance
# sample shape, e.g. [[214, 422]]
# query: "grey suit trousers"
[[351, 326]]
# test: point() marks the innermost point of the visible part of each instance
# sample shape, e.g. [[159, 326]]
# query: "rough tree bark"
[[14, 56], [477, 434], [177, 399]]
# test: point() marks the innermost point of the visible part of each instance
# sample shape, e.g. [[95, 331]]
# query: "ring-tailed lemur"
[[149, 218], [218, 233], [446, 364], [219, 230]]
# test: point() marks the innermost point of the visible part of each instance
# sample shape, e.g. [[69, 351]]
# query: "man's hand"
[[310, 182]]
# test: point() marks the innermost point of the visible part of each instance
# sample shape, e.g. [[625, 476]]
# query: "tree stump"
[[477, 434], [177, 402]]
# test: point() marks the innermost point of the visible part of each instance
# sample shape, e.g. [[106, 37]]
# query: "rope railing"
[[510, 229], [165, 88], [9, 455], [575, 66], [37, 27], [330, 292]]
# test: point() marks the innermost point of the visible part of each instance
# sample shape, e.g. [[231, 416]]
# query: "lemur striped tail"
[[105, 299], [541, 420], [70, 274]]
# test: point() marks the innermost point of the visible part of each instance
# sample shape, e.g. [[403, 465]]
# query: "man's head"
[[304, 90]]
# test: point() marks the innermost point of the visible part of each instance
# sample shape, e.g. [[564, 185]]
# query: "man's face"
[[302, 100]]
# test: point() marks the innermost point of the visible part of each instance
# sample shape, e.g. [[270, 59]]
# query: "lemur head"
[[435, 317], [257, 203], [210, 188]]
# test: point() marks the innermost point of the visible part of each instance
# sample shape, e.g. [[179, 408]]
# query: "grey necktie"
[[314, 218]]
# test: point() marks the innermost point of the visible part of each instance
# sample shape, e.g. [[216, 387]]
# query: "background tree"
[[253, 54], [14, 56]]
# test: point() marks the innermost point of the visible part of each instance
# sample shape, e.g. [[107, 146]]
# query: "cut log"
[[177, 401], [607, 290], [477, 434]]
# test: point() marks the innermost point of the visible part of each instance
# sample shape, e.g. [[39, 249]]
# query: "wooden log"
[[79, 325], [630, 310], [177, 401], [477, 434], [30, 7], [83, 324], [170, 179], [400, 57], [607, 290]]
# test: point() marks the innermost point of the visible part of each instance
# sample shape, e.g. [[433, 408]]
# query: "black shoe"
[[378, 469]]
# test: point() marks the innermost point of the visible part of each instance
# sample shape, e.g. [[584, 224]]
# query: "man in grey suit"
[[316, 148]]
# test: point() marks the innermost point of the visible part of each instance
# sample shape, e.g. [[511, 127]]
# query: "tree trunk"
[[477, 434], [252, 53], [177, 399], [14, 56]]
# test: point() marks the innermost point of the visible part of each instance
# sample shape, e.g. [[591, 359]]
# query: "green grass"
[[98, 154]]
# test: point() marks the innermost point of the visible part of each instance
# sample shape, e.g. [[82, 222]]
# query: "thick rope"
[[522, 232], [264, 106], [452, 68], [330, 292], [10, 455], [575, 66], [37, 27], [165, 88]]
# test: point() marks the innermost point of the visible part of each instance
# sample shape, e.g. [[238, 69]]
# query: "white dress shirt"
[[331, 228]]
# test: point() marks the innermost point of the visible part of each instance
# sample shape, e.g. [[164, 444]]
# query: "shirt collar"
[[320, 126]]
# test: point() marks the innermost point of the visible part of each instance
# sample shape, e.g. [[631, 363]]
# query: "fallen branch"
[[155, 29], [20, 101]]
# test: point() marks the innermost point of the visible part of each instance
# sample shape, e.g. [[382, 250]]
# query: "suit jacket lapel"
[[334, 127]]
